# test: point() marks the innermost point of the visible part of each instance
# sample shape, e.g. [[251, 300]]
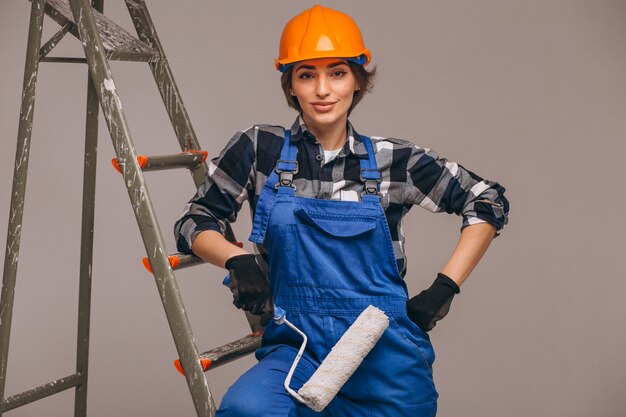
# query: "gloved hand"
[[250, 288], [432, 304]]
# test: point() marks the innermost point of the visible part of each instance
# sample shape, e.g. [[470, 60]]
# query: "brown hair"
[[364, 79]]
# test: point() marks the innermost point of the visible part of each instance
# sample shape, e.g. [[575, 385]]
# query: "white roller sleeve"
[[344, 358]]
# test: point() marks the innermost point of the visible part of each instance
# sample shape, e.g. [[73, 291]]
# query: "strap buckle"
[[286, 170], [372, 187], [282, 165], [285, 180], [372, 179]]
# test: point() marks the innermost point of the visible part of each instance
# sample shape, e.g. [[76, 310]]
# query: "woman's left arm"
[[472, 245], [439, 185], [432, 304]]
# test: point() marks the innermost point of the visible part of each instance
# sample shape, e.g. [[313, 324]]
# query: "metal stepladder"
[[103, 40]]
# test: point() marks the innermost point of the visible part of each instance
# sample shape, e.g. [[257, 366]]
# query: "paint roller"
[[341, 362]]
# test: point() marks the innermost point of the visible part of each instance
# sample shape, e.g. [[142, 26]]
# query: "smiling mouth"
[[323, 105]]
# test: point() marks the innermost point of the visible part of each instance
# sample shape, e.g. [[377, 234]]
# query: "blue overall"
[[329, 260]]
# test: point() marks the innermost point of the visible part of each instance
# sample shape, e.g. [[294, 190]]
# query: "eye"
[[305, 75], [339, 73]]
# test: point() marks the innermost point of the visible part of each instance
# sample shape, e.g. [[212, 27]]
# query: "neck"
[[332, 136]]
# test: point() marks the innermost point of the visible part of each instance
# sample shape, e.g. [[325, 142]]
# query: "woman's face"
[[324, 88]]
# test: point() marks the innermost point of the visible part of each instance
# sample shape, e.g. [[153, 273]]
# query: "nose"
[[321, 86]]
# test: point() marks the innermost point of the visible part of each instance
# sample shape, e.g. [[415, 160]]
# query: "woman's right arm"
[[230, 180], [212, 247]]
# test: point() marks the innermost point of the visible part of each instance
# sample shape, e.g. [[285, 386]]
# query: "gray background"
[[529, 93]]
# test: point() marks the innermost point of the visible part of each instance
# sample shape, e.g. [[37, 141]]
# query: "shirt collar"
[[354, 144]]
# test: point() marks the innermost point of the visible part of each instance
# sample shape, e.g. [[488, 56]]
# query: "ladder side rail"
[[142, 206], [172, 100], [16, 210], [86, 238], [86, 248], [167, 86], [174, 106]]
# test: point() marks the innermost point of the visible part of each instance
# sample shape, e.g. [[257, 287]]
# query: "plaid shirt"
[[410, 175]]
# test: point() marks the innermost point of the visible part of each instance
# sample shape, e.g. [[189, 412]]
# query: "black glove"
[[431, 305], [250, 288]]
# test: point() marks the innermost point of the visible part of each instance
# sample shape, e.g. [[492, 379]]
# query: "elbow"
[[491, 207], [182, 237], [187, 228]]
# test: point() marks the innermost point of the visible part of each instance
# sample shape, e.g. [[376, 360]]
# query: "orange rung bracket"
[[205, 154], [116, 165], [142, 160], [205, 363], [174, 262]]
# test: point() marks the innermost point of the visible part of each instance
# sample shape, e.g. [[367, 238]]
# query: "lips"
[[323, 106]]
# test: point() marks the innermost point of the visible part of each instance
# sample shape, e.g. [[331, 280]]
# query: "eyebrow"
[[312, 67]]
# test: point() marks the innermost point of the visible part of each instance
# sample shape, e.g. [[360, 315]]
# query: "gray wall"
[[529, 93]]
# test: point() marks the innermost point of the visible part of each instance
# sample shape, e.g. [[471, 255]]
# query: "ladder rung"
[[182, 260], [64, 60], [227, 353], [119, 44], [42, 391], [158, 163], [177, 261], [49, 46]]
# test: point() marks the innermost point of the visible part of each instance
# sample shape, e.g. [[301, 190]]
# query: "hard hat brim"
[[283, 65]]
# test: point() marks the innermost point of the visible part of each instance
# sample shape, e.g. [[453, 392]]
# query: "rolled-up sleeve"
[[218, 200], [438, 185]]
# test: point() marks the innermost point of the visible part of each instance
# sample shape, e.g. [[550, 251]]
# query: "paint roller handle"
[[279, 313]]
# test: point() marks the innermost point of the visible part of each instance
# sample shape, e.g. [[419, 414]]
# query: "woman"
[[327, 206]]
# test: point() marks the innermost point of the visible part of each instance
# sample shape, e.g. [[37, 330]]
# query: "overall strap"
[[369, 173], [280, 179]]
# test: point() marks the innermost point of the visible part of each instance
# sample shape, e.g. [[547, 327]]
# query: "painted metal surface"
[[181, 160], [20, 172], [54, 41], [79, 379], [116, 41], [103, 40], [163, 162], [186, 260], [142, 207], [86, 239], [177, 261], [64, 60], [233, 350], [167, 86], [174, 105], [42, 391]]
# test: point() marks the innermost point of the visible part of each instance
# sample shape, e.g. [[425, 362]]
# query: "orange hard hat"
[[321, 32]]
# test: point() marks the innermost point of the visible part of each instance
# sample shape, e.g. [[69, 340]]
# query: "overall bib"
[[329, 260]]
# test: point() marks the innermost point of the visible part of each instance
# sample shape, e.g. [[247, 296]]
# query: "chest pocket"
[[342, 226], [323, 250]]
